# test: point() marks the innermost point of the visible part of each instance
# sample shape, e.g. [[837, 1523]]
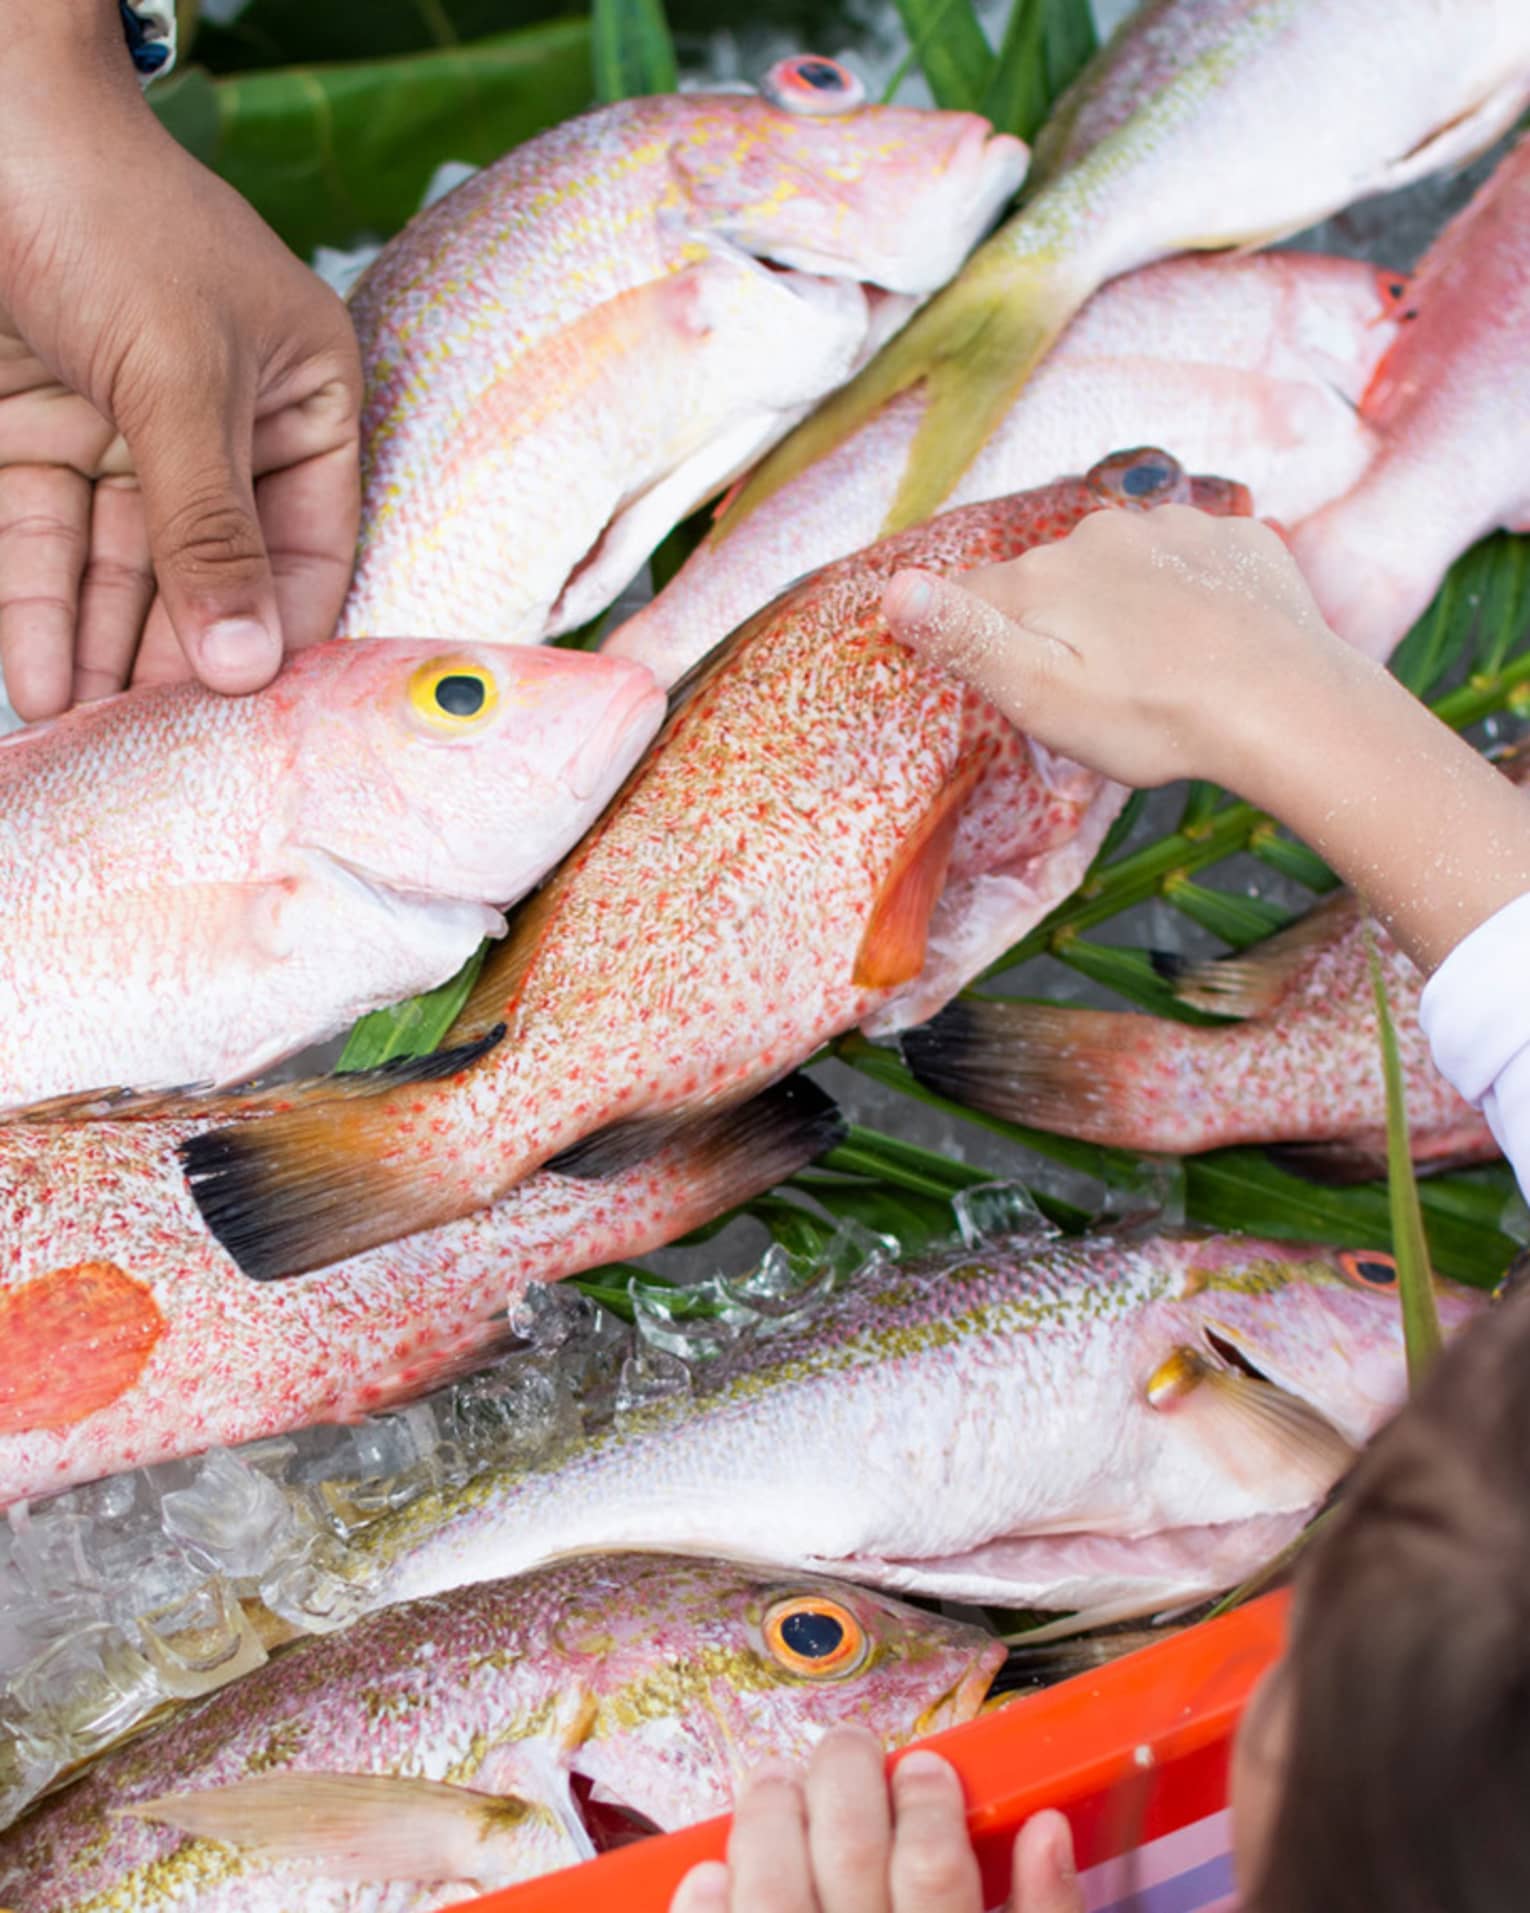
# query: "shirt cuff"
[[1475, 1012], [150, 29]]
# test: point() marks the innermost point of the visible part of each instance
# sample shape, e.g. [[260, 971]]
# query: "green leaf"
[[413, 1028], [952, 50], [269, 33], [1415, 1280], [633, 51], [1237, 920], [1131, 973], [1045, 45], [334, 155]]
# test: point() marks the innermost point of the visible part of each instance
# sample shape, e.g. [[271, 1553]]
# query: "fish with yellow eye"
[[492, 1734], [195, 886]]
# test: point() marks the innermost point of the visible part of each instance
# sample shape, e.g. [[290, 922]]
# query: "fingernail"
[[765, 1772], [909, 597], [922, 1765], [1060, 1848], [704, 1887], [240, 647]]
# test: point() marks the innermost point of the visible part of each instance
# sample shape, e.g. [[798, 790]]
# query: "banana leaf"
[[1045, 45], [333, 155], [952, 49], [633, 51]]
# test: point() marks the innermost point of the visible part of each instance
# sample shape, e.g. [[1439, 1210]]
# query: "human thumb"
[[962, 633], [210, 559]]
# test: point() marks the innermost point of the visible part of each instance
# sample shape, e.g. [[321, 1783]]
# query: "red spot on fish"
[[75, 1341]]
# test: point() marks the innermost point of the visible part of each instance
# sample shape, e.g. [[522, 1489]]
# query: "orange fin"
[[892, 950], [75, 1341], [1252, 982], [309, 1185]]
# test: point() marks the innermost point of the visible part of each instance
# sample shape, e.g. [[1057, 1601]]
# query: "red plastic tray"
[[1135, 1754]]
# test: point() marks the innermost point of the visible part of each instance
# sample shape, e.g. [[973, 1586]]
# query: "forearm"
[[1425, 829]]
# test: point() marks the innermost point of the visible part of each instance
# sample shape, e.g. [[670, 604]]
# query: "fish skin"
[[219, 1359], [648, 1677], [581, 343], [1253, 365], [1451, 407], [197, 886], [1302, 1071], [972, 1425], [1178, 136], [709, 934]]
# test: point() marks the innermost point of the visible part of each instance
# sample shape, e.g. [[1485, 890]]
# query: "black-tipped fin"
[[1254, 981]]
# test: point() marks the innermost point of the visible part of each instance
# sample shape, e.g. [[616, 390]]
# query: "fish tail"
[[323, 1177], [973, 347], [1104, 1076]]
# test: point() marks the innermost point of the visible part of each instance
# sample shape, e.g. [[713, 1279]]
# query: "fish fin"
[[974, 345], [76, 1339], [787, 1125], [892, 949], [1260, 1433], [355, 1826], [304, 1187], [1252, 982], [432, 1363], [1077, 1072], [1337, 1163]]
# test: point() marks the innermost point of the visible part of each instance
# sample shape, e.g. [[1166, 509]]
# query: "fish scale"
[[652, 1679], [771, 876]]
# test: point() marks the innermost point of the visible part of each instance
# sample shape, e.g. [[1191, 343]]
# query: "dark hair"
[[1407, 1783]]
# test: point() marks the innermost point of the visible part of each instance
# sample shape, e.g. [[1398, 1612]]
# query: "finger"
[[160, 658], [849, 1822], [209, 555], [115, 592], [767, 1849], [958, 632], [934, 1869], [1045, 1877], [44, 530], [703, 1890], [310, 514]]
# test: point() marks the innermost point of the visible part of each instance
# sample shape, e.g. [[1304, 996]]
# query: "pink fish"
[[600, 331], [194, 887], [1248, 365], [130, 1336], [1451, 405], [828, 834]]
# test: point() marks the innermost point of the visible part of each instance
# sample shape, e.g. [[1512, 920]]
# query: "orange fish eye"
[[1139, 479], [808, 83], [810, 1634], [1369, 1268], [453, 694]]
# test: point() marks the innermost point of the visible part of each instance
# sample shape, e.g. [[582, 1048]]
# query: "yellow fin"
[[1262, 1437], [360, 1826]]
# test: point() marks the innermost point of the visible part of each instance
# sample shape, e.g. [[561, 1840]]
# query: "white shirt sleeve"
[[1475, 1011]]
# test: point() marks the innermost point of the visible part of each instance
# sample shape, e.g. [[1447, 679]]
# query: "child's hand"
[[1145, 645], [842, 1842], [179, 398]]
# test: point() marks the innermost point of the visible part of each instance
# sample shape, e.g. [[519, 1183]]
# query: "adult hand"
[[179, 398], [843, 1841]]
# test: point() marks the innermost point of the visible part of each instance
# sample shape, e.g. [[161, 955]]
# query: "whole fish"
[[828, 833], [601, 330], [130, 1336], [1302, 1070], [496, 1733], [1114, 1425], [1201, 124], [1251, 365], [197, 886], [1451, 406]]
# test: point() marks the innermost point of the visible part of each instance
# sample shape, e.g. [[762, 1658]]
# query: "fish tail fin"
[[322, 1177], [974, 345], [1103, 1076]]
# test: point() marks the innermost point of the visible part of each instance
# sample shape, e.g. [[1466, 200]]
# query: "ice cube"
[[231, 1518], [995, 1211]]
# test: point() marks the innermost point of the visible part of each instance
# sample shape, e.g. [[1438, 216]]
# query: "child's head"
[[1386, 1762]]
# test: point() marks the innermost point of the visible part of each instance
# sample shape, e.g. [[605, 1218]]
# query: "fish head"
[[1323, 1324], [809, 176], [461, 770], [703, 1668], [1146, 477]]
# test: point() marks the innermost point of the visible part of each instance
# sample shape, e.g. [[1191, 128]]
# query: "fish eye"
[[452, 694], [1369, 1268], [1145, 476], [808, 83], [812, 1635]]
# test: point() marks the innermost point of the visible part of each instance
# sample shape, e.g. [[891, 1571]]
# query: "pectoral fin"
[[366, 1826], [1262, 1436], [892, 949]]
